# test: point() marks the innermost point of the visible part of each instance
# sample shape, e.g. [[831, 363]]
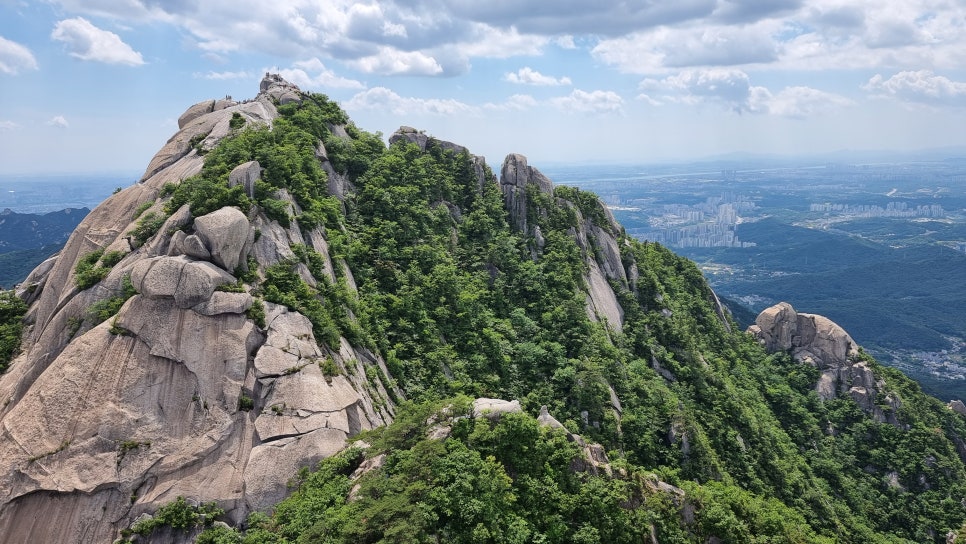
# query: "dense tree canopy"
[[461, 305]]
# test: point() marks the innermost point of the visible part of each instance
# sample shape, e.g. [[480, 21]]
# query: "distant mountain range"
[[26, 239]]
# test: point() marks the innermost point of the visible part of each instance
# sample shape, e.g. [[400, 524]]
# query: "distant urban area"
[[878, 247]]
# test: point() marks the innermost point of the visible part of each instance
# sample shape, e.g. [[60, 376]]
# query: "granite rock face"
[[181, 392], [246, 174], [227, 236], [818, 341], [810, 338], [515, 176]]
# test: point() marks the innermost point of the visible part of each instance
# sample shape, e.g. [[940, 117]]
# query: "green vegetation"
[[257, 313], [147, 226], [94, 267], [103, 309], [504, 481], [178, 515], [12, 311], [236, 121], [128, 446], [461, 305], [143, 207], [63, 446]]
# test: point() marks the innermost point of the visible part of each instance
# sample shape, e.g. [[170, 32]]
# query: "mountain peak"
[[280, 282]]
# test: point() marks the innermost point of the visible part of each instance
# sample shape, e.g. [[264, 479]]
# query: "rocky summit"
[[289, 331]]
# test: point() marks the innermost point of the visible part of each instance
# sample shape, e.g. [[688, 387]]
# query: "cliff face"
[[184, 391], [180, 392]]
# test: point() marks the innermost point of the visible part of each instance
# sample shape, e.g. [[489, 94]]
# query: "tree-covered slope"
[[461, 301], [425, 282]]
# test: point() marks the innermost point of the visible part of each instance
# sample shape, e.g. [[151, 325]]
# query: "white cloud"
[[312, 74], [803, 102], [488, 42], [732, 89], [726, 86], [389, 61], [222, 76], [381, 98], [58, 121], [529, 76], [517, 102], [565, 42], [798, 35], [15, 57], [700, 46], [395, 37], [922, 86], [589, 102], [87, 42], [8, 125]]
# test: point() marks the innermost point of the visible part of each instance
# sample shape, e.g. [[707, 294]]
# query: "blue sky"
[[97, 85]]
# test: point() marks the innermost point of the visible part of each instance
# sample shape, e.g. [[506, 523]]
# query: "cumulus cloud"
[[15, 57], [58, 121], [802, 102], [222, 76], [732, 89], [728, 87], [312, 74], [517, 102], [396, 37], [799, 35], [390, 61], [704, 46], [87, 42], [381, 98], [8, 125], [589, 102], [529, 76], [922, 87]]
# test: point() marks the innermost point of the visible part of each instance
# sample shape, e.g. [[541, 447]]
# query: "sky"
[[97, 85]]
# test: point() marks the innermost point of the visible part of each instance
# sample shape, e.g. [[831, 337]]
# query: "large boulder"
[[188, 282], [809, 338], [494, 408], [227, 236]]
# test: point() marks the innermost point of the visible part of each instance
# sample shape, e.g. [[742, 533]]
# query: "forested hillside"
[[473, 359], [463, 303]]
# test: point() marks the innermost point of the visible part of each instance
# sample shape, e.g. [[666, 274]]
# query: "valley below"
[[878, 247]]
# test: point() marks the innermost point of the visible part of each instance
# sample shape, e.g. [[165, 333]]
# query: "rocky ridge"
[[180, 393], [184, 392]]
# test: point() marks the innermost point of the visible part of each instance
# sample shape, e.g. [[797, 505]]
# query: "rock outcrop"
[[818, 341], [810, 338], [182, 392], [515, 176]]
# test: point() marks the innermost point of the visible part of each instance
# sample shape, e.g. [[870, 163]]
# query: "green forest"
[[726, 442]]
